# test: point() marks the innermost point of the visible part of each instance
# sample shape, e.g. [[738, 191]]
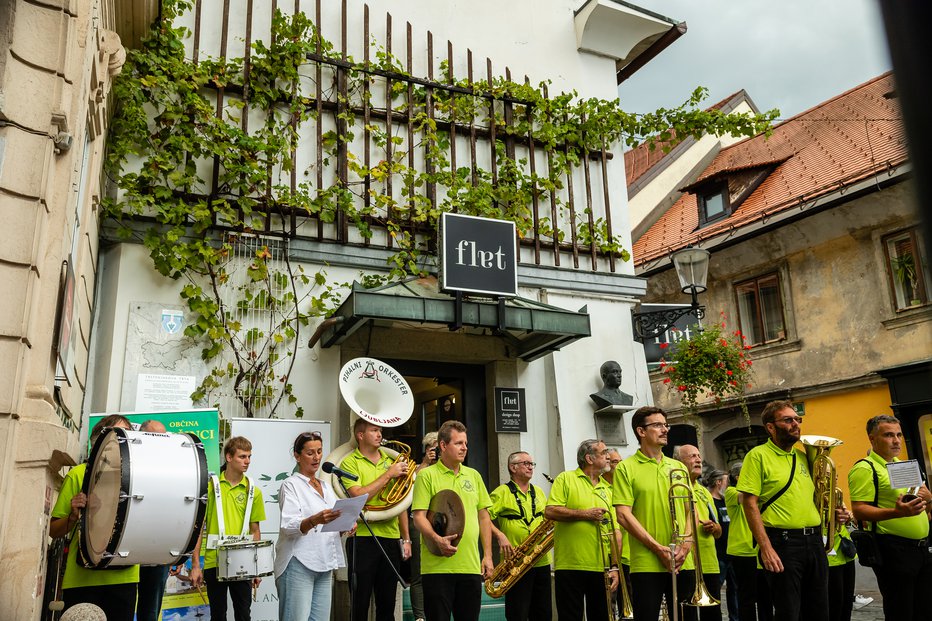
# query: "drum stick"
[[201, 593]]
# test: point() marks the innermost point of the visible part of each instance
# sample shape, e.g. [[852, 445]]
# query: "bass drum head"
[[106, 481]]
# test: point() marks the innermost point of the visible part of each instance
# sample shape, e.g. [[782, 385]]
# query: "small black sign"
[[510, 412], [478, 255], [658, 347]]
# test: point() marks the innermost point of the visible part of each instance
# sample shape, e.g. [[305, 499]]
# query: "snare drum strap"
[[221, 527]]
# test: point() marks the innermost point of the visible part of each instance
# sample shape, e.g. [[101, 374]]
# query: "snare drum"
[[147, 494], [245, 560]]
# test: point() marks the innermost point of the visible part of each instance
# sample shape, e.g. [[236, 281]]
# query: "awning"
[[534, 329]]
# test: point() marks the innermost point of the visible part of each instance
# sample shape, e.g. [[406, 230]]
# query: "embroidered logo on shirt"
[[467, 485]]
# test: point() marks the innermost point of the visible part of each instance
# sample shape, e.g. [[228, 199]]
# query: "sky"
[[787, 54]]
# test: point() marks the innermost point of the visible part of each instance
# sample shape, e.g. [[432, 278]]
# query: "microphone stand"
[[362, 516]]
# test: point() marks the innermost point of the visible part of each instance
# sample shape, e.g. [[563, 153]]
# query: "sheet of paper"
[[904, 474], [350, 508]]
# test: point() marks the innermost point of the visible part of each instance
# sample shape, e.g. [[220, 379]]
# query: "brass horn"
[[681, 492], [828, 496], [507, 573]]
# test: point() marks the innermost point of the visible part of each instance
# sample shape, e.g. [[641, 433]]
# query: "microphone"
[[329, 468]]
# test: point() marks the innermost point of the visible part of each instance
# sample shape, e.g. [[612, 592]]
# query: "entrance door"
[[444, 392]]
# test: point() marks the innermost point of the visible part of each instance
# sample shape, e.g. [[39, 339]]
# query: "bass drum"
[[147, 495], [338, 455]]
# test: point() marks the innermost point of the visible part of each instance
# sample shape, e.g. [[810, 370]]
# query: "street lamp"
[[692, 268]]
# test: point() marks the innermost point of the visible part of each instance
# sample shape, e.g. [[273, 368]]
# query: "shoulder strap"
[[514, 490], [774, 498], [876, 486], [249, 498], [218, 506]]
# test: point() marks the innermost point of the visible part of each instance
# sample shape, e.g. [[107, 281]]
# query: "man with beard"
[[640, 493], [901, 522], [778, 500], [580, 503]]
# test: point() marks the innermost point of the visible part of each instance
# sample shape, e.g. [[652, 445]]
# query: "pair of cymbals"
[[447, 516]]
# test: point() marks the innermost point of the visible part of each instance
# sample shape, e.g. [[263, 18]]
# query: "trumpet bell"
[[376, 392]]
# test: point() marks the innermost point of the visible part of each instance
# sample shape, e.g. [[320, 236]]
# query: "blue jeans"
[[303, 594], [151, 589]]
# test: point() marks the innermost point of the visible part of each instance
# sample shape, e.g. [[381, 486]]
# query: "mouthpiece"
[[548, 477]]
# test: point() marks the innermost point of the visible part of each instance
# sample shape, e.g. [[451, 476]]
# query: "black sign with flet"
[[510, 410], [478, 255]]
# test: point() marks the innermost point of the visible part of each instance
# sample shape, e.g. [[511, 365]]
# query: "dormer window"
[[713, 203]]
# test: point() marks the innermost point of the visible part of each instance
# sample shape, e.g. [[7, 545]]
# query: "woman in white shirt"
[[305, 557]]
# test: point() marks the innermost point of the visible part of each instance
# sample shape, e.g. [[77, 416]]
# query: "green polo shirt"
[[233, 499], [740, 540], [705, 510], [516, 520], [643, 484], [626, 548], [469, 486], [577, 543], [765, 471], [76, 575], [861, 487], [359, 464]]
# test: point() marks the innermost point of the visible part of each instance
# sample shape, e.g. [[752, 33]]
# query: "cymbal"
[[447, 516]]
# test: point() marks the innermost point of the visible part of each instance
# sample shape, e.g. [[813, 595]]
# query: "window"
[[760, 309], [907, 268], [713, 204]]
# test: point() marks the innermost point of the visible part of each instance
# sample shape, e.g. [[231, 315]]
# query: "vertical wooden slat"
[[366, 107], [451, 79], [410, 105], [431, 187], [532, 156], [389, 125], [472, 120], [195, 56], [570, 201], [606, 199], [554, 222], [492, 128], [342, 126], [584, 158], [318, 95]]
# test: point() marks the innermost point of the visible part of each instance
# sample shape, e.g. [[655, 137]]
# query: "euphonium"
[[398, 488], [681, 491], [522, 558], [825, 478]]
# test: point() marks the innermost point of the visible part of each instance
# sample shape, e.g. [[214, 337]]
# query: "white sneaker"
[[861, 601]]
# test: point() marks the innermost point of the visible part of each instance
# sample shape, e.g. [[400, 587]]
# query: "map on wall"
[[159, 357]]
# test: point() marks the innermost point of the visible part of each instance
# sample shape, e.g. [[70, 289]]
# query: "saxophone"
[[507, 573]]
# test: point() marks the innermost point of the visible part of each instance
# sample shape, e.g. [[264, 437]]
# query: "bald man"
[[152, 578], [709, 528]]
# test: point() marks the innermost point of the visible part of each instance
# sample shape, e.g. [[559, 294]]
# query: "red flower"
[[729, 373], [664, 345], [666, 381], [681, 388]]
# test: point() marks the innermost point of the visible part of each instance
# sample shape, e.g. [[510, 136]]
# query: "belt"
[[808, 531], [917, 543]]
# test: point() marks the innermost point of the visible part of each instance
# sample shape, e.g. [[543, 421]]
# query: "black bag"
[[866, 540]]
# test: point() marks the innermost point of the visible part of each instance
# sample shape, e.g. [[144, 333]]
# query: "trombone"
[[624, 609], [681, 499]]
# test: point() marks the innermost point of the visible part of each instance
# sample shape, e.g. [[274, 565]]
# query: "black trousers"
[[905, 579], [841, 591], [753, 591], [118, 601], [649, 588], [713, 583], [459, 594], [804, 575], [217, 590], [373, 574], [151, 590], [530, 598], [575, 586]]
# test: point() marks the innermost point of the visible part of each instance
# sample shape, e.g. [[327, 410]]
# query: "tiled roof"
[[844, 140]]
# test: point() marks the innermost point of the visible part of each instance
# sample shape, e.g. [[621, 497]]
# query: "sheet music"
[[904, 474], [350, 508]]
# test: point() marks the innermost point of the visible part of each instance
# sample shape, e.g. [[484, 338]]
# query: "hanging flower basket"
[[709, 365]]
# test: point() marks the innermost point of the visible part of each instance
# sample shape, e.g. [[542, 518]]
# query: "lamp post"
[[692, 269]]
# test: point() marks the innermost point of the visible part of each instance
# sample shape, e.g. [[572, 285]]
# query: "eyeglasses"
[[529, 464], [790, 419], [657, 425]]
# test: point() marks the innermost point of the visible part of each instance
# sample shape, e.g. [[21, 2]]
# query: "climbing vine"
[[205, 152]]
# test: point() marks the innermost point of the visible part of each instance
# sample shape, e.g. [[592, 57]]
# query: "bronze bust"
[[611, 394]]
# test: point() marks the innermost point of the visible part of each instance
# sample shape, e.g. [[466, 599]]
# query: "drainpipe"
[[319, 332]]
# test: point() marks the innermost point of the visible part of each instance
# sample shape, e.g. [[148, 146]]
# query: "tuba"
[[681, 500], [825, 478], [376, 392], [522, 558]]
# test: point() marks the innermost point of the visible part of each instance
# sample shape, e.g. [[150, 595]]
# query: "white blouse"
[[316, 550]]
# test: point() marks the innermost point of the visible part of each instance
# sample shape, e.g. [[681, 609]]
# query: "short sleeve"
[[258, 507], [499, 497], [70, 488], [622, 490], [484, 501], [422, 491], [559, 492], [351, 465], [751, 479], [861, 484]]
